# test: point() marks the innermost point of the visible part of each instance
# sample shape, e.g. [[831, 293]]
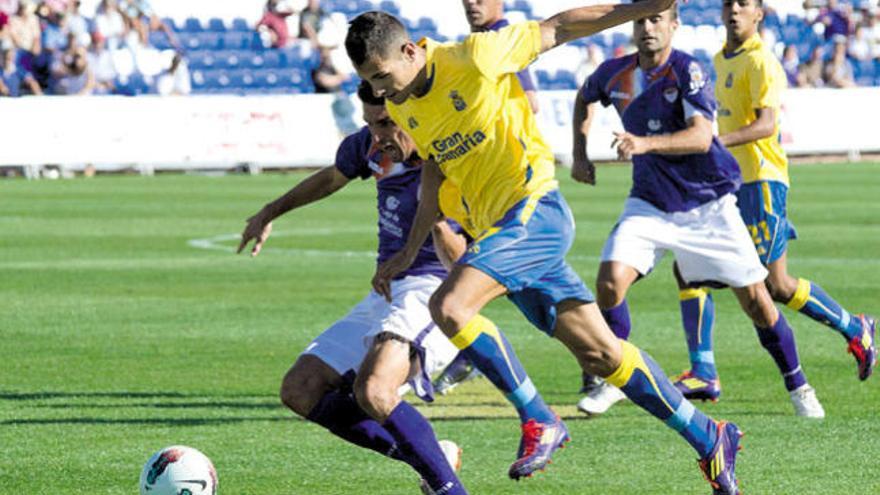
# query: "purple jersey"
[[397, 187], [661, 101], [524, 76]]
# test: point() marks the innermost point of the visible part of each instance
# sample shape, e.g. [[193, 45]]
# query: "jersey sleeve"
[[764, 84], [351, 156], [593, 89], [526, 81], [508, 50], [696, 92]]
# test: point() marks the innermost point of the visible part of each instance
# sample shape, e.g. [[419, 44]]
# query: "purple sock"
[[339, 412], [779, 342], [416, 440], [618, 319]]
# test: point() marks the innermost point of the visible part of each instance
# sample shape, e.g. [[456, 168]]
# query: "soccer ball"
[[178, 470]]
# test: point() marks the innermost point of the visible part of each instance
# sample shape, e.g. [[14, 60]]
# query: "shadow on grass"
[[142, 421], [117, 395], [209, 404]]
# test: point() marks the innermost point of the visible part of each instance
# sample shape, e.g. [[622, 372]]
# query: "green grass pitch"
[[127, 324]]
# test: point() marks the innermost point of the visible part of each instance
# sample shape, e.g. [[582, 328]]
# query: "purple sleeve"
[[593, 89], [526, 81], [351, 156], [696, 91]]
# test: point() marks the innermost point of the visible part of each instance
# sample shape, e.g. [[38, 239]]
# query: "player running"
[[482, 16], [465, 111], [749, 88], [379, 345]]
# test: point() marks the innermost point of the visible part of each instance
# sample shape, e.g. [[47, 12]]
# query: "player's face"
[[388, 137], [654, 34], [741, 18], [393, 76], [481, 13]]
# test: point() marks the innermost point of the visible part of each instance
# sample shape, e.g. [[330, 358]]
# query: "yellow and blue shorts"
[[525, 252], [762, 205]]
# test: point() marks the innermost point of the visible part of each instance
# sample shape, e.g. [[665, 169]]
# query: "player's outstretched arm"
[[584, 21], [582, 168], [762, 127], [426, 216], [317, 186], [697, 138]]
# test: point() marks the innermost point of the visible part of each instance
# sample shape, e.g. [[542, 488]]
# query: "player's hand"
[[386, 272], [257, 229], [628, 145], [584, 171]]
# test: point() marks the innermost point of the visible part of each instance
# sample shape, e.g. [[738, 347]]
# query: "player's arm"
[[582, 168], [585, 21], [426, 217], [696, 138], [449, 244], [315, 187], [762, 127]]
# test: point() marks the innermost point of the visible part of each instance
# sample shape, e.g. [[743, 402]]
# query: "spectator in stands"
[[273, 25], [78, 24], [71, 75], [175, 80], [24, 31], [594, 56], [111, 24], [811, 73], [54, 29], [860, 44], [310, 21], [791, 63], [838, 70], [836, 18], [4, 30], [8, 7], [102, 65], [14, 79], [144, 21], [326, 76]]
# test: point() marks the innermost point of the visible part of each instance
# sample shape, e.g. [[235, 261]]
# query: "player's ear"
[[408, 50]]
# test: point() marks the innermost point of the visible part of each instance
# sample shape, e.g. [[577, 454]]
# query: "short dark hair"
[[674, 8], [366, 95], [371, 34]]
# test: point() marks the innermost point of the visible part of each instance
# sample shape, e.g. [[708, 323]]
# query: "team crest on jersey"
[[670, 94], [392, 203], [728, 83], [412, 122], [655, 125], [457, 101], [698, 79]]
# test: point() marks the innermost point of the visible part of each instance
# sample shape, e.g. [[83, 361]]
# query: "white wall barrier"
[[294, 131]]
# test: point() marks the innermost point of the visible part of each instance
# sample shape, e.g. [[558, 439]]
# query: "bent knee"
[[609, 292], [303, 387], [378, 399], [447, 312]]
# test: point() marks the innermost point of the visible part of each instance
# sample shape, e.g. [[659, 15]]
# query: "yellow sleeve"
[[764, 84], [508, 50]]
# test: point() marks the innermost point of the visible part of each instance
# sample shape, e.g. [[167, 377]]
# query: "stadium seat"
[[202, 59], [390, 7], [192, 25], [235, 40], [240, 25], [171, 24], [229, 60], [243, 79], [160, 41], [216, 25]]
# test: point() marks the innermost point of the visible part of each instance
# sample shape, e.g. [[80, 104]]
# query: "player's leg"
[[581, 328], [386, 367], [455, 308], [698, 317], [810, 299]]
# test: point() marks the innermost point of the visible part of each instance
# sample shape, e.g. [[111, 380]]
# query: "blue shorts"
[[762, 206], [525, 252]]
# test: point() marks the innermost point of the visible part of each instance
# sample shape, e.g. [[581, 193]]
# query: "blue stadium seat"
[[620, 39], [242, 79], [190, 41], [523, 6], [202, 59], [544, 78], [160, 41], [210, 41], [229, 60], [216, 24], [192, 25], [426, 24], [266, 78], [171, 24], [564, 80], [235, 40], [390, 7], [240, 25]]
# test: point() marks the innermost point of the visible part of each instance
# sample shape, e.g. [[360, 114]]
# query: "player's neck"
[[652, 60], [734, 43], [420, 84]]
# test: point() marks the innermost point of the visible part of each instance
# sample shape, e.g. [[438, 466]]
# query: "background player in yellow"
[[460, 103], [750, 82]]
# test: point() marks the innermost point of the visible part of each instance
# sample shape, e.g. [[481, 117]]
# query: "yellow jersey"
[[749, 79], [475, 122]]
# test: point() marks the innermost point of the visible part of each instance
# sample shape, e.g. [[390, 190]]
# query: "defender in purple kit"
[[348, 379]]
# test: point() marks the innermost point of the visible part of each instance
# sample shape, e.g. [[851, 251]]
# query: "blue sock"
[[644, 382], [416, 439], [813, 301], [486, 347], [339, 412], [697, 317], [779, 342], [618, 320]]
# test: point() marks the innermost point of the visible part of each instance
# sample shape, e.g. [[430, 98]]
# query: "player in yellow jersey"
[[468, 117], [749, 88]]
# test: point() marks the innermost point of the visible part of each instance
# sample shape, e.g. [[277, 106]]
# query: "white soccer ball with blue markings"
[[178, 470]]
